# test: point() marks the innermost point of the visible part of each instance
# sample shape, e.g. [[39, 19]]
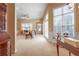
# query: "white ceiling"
[[30, 10]]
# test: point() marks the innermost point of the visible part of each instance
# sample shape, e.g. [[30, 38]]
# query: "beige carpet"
[[38, 46]]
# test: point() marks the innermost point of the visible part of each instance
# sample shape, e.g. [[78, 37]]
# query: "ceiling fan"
[[69, 5], [25, 16]]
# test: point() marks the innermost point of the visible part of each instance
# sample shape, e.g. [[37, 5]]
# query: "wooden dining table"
[[28, 33]]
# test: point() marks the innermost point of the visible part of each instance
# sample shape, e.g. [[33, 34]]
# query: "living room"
[[33, 28]]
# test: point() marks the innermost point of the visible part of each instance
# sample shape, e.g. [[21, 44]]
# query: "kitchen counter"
[[72, 41]]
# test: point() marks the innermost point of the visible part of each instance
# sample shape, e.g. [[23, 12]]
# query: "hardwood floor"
[[38, 46]]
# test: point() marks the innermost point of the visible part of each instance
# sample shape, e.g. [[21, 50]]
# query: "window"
[[58, 11], [38, 27], [64, 20], [26, 26], [45, 26]]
